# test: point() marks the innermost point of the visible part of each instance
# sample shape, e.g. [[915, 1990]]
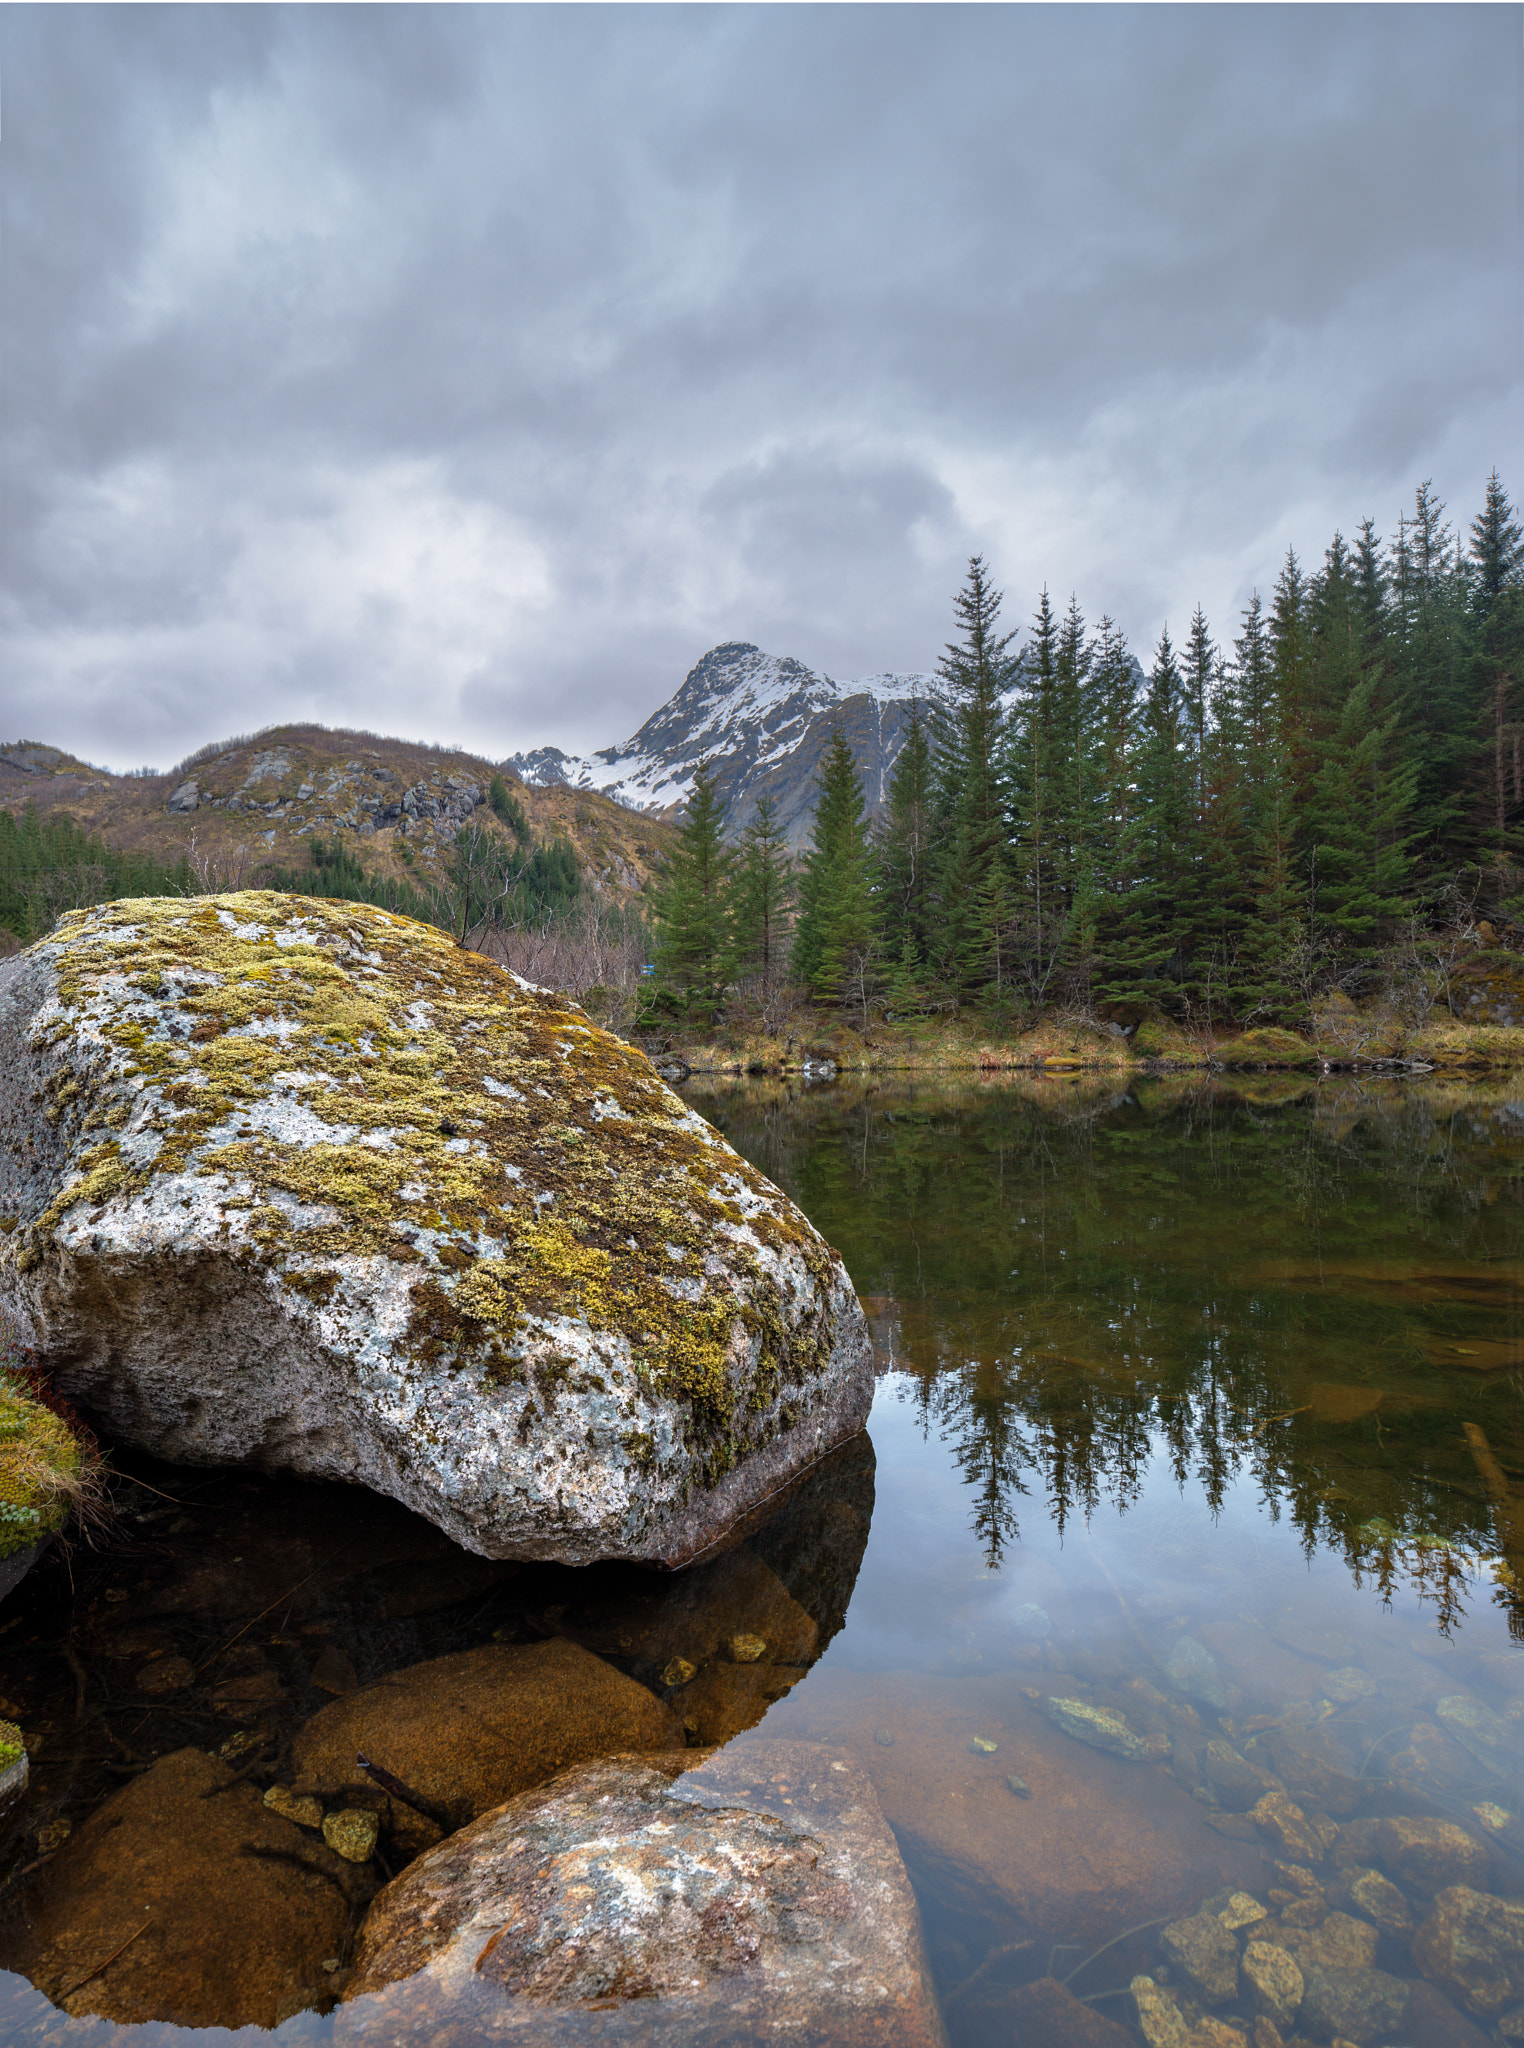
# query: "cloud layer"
[[467, 372]]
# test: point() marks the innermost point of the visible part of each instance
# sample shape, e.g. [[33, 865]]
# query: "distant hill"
[[257, 801], [763, 721]]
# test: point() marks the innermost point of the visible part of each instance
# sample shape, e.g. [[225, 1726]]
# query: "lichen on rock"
[[303, 1184]]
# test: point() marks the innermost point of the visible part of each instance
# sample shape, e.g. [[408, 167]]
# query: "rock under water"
[[303, 1185], [757, 1895]]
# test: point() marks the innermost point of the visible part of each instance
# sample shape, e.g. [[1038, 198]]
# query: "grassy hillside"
[[259, 801]]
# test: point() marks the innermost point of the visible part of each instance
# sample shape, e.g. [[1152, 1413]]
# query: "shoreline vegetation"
[[1059, 1046]]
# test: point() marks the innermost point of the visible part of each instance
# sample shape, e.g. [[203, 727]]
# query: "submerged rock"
[[184, 1898], [1100, 1844], [1338, 1942], [1380, 1901], [1191, 1668], [1473, 1945], [1203, 1950], [1104, 1728], [1288, 1827], [1046, 2014], [366, 1207], [471, 1730], [1432, 1854], [760, 1894], [1159, 2017], [1273, 1980], [1357, 2005]]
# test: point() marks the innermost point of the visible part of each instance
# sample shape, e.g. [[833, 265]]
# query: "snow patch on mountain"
[[737, 704]]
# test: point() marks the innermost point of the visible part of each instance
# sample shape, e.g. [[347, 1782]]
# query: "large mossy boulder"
[[305, 1186]]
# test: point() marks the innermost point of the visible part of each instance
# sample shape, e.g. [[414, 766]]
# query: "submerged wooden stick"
[[101, 1968]]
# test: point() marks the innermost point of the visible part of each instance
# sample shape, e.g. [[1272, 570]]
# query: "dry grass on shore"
[[961, 1045]]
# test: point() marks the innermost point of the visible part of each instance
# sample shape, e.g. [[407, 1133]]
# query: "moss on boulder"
[[303, 1184], [1267, 1046]]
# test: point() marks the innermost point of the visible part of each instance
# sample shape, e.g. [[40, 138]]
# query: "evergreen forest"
[[1262, 815]]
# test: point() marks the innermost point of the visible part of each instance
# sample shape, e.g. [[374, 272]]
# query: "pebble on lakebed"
[[352, 1834]]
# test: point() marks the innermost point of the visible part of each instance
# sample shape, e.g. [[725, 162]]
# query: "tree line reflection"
[[1314, 1285]]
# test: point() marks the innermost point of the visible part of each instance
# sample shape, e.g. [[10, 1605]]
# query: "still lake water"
[[1203, 1405]]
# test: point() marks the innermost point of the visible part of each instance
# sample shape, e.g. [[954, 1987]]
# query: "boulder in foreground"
[[303, 1185], [759, 1895]]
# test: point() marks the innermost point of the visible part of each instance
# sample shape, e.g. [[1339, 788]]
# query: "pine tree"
[[691, 906], [902, 861], [1357, 822], [763, 894], [975, 670], [1497, 553], [1271, 893], [836, 938], [1497, 547], [1436, 698], [1143, 958], [1288, 656]]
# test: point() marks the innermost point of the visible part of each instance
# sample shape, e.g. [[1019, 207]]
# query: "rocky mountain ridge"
[[762, 721]]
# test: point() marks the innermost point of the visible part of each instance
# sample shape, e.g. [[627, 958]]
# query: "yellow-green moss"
[[208, 1023], [1267, 1046], [12, 1745]]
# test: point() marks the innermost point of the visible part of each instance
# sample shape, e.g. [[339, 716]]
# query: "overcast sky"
[[466, 373]]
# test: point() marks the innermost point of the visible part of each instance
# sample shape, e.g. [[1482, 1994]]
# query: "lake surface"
[[1202, 1412]]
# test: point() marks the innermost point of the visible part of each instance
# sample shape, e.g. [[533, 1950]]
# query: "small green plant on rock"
[[45, 1471]]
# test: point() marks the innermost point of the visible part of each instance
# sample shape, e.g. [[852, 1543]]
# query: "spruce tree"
[[902, 860], [975, 670], [835, 939], [763, 894], [691, 907], [1497, 547]]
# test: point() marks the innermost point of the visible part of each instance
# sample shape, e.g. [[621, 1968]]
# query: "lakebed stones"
[[1472, 1944], [758, 1894], [367, 1207], [1361, 2005], [1104, 1728], [184, 1898], [1430, 1855], [1288, 1827], [468, 1731], [1191, 1668], [1204, 1951], [1273, 1982]]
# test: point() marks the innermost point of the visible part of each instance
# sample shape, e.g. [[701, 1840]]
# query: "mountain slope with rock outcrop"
[[257, 802]]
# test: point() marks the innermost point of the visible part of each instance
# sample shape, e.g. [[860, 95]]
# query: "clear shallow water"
[[1203, 1405]]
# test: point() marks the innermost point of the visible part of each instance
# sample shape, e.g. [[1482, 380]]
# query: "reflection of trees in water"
[[1081, 1280]]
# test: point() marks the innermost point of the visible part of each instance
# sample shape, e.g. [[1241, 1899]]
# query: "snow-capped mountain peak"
[[761, 721]]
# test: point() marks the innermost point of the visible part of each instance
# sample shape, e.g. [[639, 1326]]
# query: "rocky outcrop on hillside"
[[353, 797], [763, 723], [302, 1185]]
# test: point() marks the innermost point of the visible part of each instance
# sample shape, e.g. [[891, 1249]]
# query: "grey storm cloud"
[[467, 372]]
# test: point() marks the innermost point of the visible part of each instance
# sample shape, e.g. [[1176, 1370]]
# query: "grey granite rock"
[[755, 1894], [364, 1206]]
